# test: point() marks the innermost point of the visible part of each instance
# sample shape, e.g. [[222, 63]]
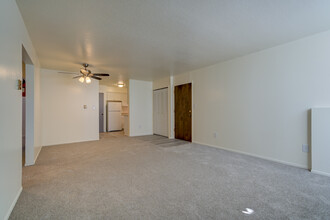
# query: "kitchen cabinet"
[[116, 96]]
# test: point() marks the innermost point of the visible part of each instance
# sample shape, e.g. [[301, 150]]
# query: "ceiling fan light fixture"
[[82, 79], [83, 71], [88, 80], [85, 75], [120, 85]]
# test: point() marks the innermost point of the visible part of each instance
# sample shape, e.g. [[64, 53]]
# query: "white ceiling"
[[150, 39]]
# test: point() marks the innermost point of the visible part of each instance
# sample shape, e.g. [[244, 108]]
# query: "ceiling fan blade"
[[95, 77], [101, 74], [68, 73]]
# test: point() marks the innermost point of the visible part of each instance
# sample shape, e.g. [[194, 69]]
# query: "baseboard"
[[35, 158], [138, 135], [37, 154], [320, 173], [29, 164], [71, 142], [13, 203], [254, 155]]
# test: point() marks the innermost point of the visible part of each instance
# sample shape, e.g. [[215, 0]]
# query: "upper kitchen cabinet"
[[116, 96]]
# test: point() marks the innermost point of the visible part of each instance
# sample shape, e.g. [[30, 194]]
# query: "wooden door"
[[183, 112]]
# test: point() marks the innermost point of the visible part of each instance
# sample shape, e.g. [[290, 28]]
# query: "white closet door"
[[160, 109], [163, 112], [155, 115]]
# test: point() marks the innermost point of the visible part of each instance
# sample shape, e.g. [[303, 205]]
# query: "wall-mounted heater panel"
[[320, 141]]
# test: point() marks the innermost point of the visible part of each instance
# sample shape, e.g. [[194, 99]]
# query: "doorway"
[[183, 112], [101, 112], [29, 140], [160, 112], [23, 112]]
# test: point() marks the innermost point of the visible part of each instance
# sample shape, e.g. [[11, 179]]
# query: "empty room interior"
[[165, 109]]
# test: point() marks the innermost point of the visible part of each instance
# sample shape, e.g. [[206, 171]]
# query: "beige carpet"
[[155, 178]]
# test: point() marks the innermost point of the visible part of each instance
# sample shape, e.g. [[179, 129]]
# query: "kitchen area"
[[113, 109]]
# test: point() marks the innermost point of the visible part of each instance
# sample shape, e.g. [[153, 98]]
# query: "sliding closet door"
[[160, 110], [163, 128], [155, 112]]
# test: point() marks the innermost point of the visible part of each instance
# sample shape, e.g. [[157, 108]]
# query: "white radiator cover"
[[320, 149]]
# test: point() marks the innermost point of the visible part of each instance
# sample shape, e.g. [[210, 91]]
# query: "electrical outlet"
[[140, 126], [305, 148], [215, 134]]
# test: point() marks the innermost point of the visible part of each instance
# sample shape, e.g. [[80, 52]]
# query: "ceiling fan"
[[85, 74]]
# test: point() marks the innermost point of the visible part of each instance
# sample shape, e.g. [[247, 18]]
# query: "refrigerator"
[[114, 116]]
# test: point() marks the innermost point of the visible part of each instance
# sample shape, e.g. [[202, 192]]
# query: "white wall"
[[258, 104], [13, 36], [140, 108], [320, 140], [161, 83], [64, 120]]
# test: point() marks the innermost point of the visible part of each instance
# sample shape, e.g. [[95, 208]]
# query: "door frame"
[[174, 115], [103, 112], [32, 147]]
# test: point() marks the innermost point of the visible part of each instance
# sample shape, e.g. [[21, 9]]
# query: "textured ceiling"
[[150, 39]]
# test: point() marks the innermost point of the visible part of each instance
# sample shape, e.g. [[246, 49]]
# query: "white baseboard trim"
[[35, 158], [13, 204], [320, 173], [29, 164], [70, 142], [37, 154], [138, 135], [254, 155]]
